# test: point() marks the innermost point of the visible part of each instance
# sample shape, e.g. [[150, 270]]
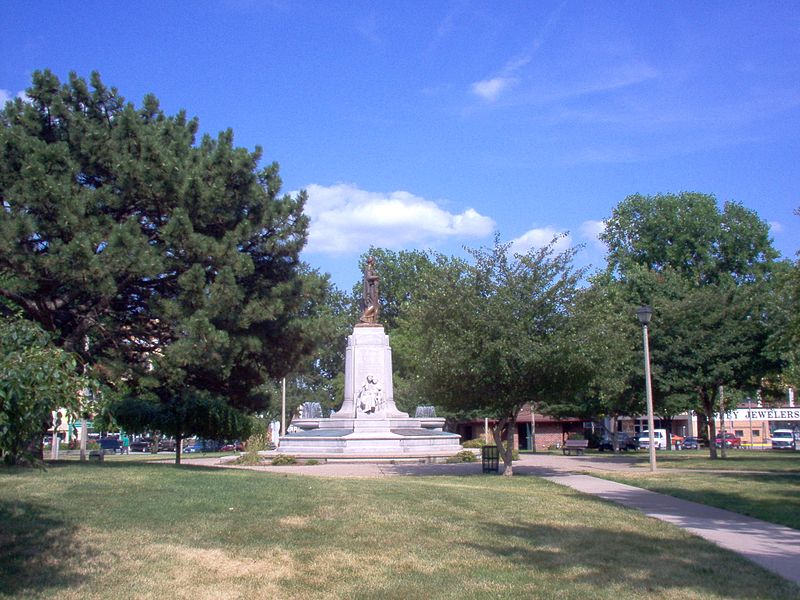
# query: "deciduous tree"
[[36, 378], [704, 271], [492, 334]]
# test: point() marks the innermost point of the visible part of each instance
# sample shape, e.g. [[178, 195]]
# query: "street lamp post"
[[644, 313]]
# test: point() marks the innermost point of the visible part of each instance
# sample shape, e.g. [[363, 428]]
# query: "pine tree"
[[158, 259]]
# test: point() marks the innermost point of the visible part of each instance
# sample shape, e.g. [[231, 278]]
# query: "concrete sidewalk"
[[774, 547]]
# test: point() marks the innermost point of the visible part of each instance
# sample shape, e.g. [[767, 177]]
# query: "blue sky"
[[435, 124]]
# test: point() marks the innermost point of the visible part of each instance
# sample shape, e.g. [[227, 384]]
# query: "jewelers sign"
[[763, 414]]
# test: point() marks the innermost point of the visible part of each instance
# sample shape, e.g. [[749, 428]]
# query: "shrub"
[[465, 456], [312, 461], [247, 458], [575, 436], [476, 443], [283, 459]]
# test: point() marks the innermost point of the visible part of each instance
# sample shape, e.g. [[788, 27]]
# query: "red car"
[[731, 441]]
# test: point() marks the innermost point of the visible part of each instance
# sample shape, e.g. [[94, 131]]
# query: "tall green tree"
[[492, 334], [704, 270], [689, 234], [155, 257]]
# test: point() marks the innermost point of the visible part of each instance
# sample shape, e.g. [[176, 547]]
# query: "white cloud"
[[591, 230], [5, 96], [540, 237], [776, 226], [346, 219], [490, 89]]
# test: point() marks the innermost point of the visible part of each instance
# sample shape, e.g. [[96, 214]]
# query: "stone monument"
[[369, 424]]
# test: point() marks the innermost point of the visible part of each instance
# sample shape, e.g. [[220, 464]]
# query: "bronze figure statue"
[[369, 301]]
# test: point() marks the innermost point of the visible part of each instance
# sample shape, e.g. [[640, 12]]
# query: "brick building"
[[547, 431]]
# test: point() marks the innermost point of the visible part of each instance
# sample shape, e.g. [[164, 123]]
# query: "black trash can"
[[490, 459]]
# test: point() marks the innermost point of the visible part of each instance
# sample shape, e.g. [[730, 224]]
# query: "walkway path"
[[774, 547]]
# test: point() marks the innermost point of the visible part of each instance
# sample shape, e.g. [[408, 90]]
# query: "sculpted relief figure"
[[369, 301], [370, 397]]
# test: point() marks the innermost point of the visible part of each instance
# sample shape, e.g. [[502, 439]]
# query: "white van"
[[659, 439]]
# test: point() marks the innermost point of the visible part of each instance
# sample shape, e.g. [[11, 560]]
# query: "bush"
[[476, 443], [312, 461], [575, 436], [465, 456], [283, 459], [248, 459]]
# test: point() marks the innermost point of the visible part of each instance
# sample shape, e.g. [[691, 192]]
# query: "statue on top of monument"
[[369, 301]]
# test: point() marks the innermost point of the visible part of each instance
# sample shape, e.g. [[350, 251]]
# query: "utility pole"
[[722, 420], [283, 406]]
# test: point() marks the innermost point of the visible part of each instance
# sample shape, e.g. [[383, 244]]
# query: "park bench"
[[578, 445]]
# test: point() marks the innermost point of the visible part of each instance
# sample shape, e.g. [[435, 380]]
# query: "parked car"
[[110, 444], [624, 441], [201, 446], [142, 445], [234, 447], [731, 441], [692, 443], [676, 440], [659, 439], [784, 439], [166, 445]]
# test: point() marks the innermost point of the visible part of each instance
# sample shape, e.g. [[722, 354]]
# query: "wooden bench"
[[578, 445]]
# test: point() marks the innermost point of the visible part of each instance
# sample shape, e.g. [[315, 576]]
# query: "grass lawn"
[[737, 460], [759, 484], [146, 530], [74, 455]]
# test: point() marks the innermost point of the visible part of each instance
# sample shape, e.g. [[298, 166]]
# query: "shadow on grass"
[[598, 556], [30, 535]]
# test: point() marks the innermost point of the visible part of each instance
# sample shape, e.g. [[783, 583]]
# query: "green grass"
[[145, 530], [773, 497], [737, 460], [138, 456]]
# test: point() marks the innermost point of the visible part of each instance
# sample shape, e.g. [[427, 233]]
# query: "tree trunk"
[[708, 409], [505, 449], [178, 444], [668, 425], [702, 426]]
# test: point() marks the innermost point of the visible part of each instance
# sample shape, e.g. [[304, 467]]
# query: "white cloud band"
[[345, 219]]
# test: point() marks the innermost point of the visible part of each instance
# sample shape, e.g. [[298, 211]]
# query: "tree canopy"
[[36, 379], [155, 257], [706, 272], [492, 334], [689, 234]]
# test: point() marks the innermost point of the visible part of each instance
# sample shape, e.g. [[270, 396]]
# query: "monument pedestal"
[[369, 424]]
